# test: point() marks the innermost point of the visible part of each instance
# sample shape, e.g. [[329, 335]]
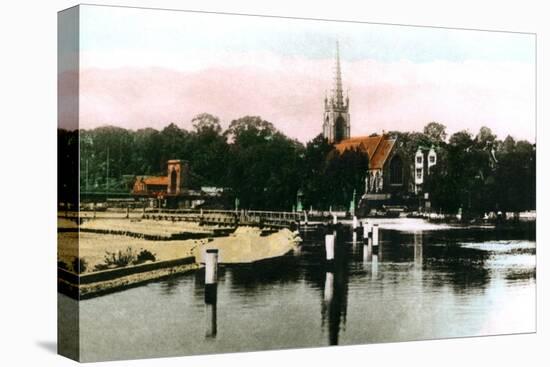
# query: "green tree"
[[264, 165], [209, 151], [436, 132]]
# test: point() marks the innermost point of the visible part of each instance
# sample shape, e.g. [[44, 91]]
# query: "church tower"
[[336, 120]]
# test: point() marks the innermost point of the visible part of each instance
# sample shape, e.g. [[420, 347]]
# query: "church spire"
[[336, 119], [337, 93]]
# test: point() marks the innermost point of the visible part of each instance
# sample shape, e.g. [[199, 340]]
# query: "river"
[[424, 282]]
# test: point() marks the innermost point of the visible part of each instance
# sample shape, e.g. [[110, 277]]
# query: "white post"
[[329, 246], [211, 266], [375, 235], [365, 230], [354, 239], [305, 218], [354, 222], [334, 219]]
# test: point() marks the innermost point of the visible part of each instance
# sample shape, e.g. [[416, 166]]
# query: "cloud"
[[289, 91]]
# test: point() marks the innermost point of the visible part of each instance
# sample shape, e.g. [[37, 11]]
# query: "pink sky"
[[181, 64], [289, 91]]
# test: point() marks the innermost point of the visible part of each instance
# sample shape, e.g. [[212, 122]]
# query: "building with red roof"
[[389, 179]]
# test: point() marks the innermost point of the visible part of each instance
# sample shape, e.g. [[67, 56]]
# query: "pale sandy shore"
[[93, 247], [245, 245]]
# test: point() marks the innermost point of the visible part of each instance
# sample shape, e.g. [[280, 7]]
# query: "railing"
[[227, 217]]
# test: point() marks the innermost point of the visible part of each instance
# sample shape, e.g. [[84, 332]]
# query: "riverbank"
[[95, 263]]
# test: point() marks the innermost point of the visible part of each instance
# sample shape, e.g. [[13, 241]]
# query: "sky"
[[148, 68]]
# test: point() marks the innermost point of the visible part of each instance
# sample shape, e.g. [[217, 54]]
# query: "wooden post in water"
[[329, 247], [127, 211], [211, 291], [211, 266], [366, 230], [375, 229], [305, 218]]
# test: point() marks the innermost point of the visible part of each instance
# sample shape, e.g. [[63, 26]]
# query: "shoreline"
[[174, 253]]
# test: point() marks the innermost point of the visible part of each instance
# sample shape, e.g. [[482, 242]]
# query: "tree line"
[[266, 169]]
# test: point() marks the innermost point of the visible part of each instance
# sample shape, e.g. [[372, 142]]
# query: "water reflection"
[[367, 254], [418, 259], [211, 309], [374, 265], [280, 303], [335, 293], [248, 278]]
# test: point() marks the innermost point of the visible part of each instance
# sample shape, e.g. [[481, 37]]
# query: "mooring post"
[[211, 291], [211, 266], [375, 229], [334, 219], [355, 223], [329, 247], [127, 211], [366, 230], [305, 218]]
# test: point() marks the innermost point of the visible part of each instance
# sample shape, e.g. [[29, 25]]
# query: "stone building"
[[175, 183], [392, 176]]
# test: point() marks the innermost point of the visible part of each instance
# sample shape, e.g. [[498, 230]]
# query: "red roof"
[[378, 148], [156, 180]]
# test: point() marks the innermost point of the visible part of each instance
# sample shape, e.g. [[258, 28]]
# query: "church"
[[389, 179]]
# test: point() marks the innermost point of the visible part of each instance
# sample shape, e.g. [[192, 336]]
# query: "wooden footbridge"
[[229, 218]]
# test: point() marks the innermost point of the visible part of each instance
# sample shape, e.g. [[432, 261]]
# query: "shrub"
[[145, 255], [121, 258], [62, 265]]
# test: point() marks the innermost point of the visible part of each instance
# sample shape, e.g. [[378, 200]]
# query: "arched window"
[[396, 171], [339, 128], [173, 181]]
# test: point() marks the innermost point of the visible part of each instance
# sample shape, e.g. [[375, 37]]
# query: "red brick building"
[[175, 183]]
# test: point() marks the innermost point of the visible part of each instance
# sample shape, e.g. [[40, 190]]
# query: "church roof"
[[378, 148]]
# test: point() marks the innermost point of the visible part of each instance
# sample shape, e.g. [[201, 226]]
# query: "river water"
[[423, 282]]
